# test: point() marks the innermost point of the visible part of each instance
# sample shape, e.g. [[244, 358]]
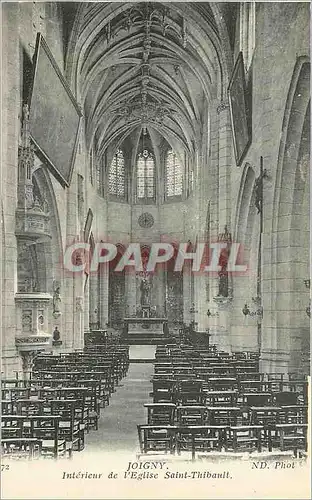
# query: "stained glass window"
[[116, 175], [145, 175], [174, 175]]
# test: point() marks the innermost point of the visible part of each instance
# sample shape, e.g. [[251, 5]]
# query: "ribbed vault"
[[154, 66]]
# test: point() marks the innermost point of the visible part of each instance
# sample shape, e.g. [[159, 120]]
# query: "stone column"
[[187, 298], [78, 341], [86, 300], [73, 282], [224, 214], [130, 290], [93, 301], [159, 292], [104, 282], [225, 165], [11, 106]]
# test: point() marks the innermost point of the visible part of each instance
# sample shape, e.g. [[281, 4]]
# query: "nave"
[[188, 401], [117, 430], [179, 131]]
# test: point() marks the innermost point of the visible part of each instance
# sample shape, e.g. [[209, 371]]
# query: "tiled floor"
[[118, 423]]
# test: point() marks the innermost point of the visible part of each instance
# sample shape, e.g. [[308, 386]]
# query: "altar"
[[146, 326]]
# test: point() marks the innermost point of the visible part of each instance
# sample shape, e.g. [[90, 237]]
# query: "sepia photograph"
[[155, 281]]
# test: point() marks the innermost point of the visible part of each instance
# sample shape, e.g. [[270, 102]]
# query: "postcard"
[[155, 250]]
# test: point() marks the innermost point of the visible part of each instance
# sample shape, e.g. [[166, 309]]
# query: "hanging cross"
[[259, 187]]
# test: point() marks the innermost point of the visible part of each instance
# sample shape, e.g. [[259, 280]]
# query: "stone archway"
[[286, 342], [244, 329], [50, 251]]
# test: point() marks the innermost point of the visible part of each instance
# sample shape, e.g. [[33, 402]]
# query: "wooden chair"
[[7, 407], [254, 376], [298, 386], [77, 394], [297, 376], [190, 392], [250, 386], [45, 393], [11, 426], [20, 448], [29, 407], [275, 382], [41, 427], [160, 413], [285, 398], [257, 399], [264, 415], [15, 393], [192, 415], [223, 369], [153, 438], [164, 391], [223, 415], [222, 383], [268, 417], [221, 398], [243, 438], [46, 428], [163, 369], [70, 428], [199, 438], [290, 437], [92, 406], [293, 414]]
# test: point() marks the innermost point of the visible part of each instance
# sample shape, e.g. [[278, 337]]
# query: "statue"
[[25, 112], [56, 337], [37, 204], [56, 334], [223, 282], [258, 194], [57, 302], [223, 262], [259, 191], [145, 292], [45, 204]]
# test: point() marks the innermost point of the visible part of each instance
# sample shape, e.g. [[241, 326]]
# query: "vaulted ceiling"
[[146, 66]]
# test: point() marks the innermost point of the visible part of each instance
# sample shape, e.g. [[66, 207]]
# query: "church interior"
[[127, 125]]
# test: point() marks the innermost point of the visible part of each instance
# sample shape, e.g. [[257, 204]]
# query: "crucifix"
[[259, 206], [259, 188]]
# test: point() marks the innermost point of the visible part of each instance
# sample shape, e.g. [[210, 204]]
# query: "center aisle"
[[118, 422]]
